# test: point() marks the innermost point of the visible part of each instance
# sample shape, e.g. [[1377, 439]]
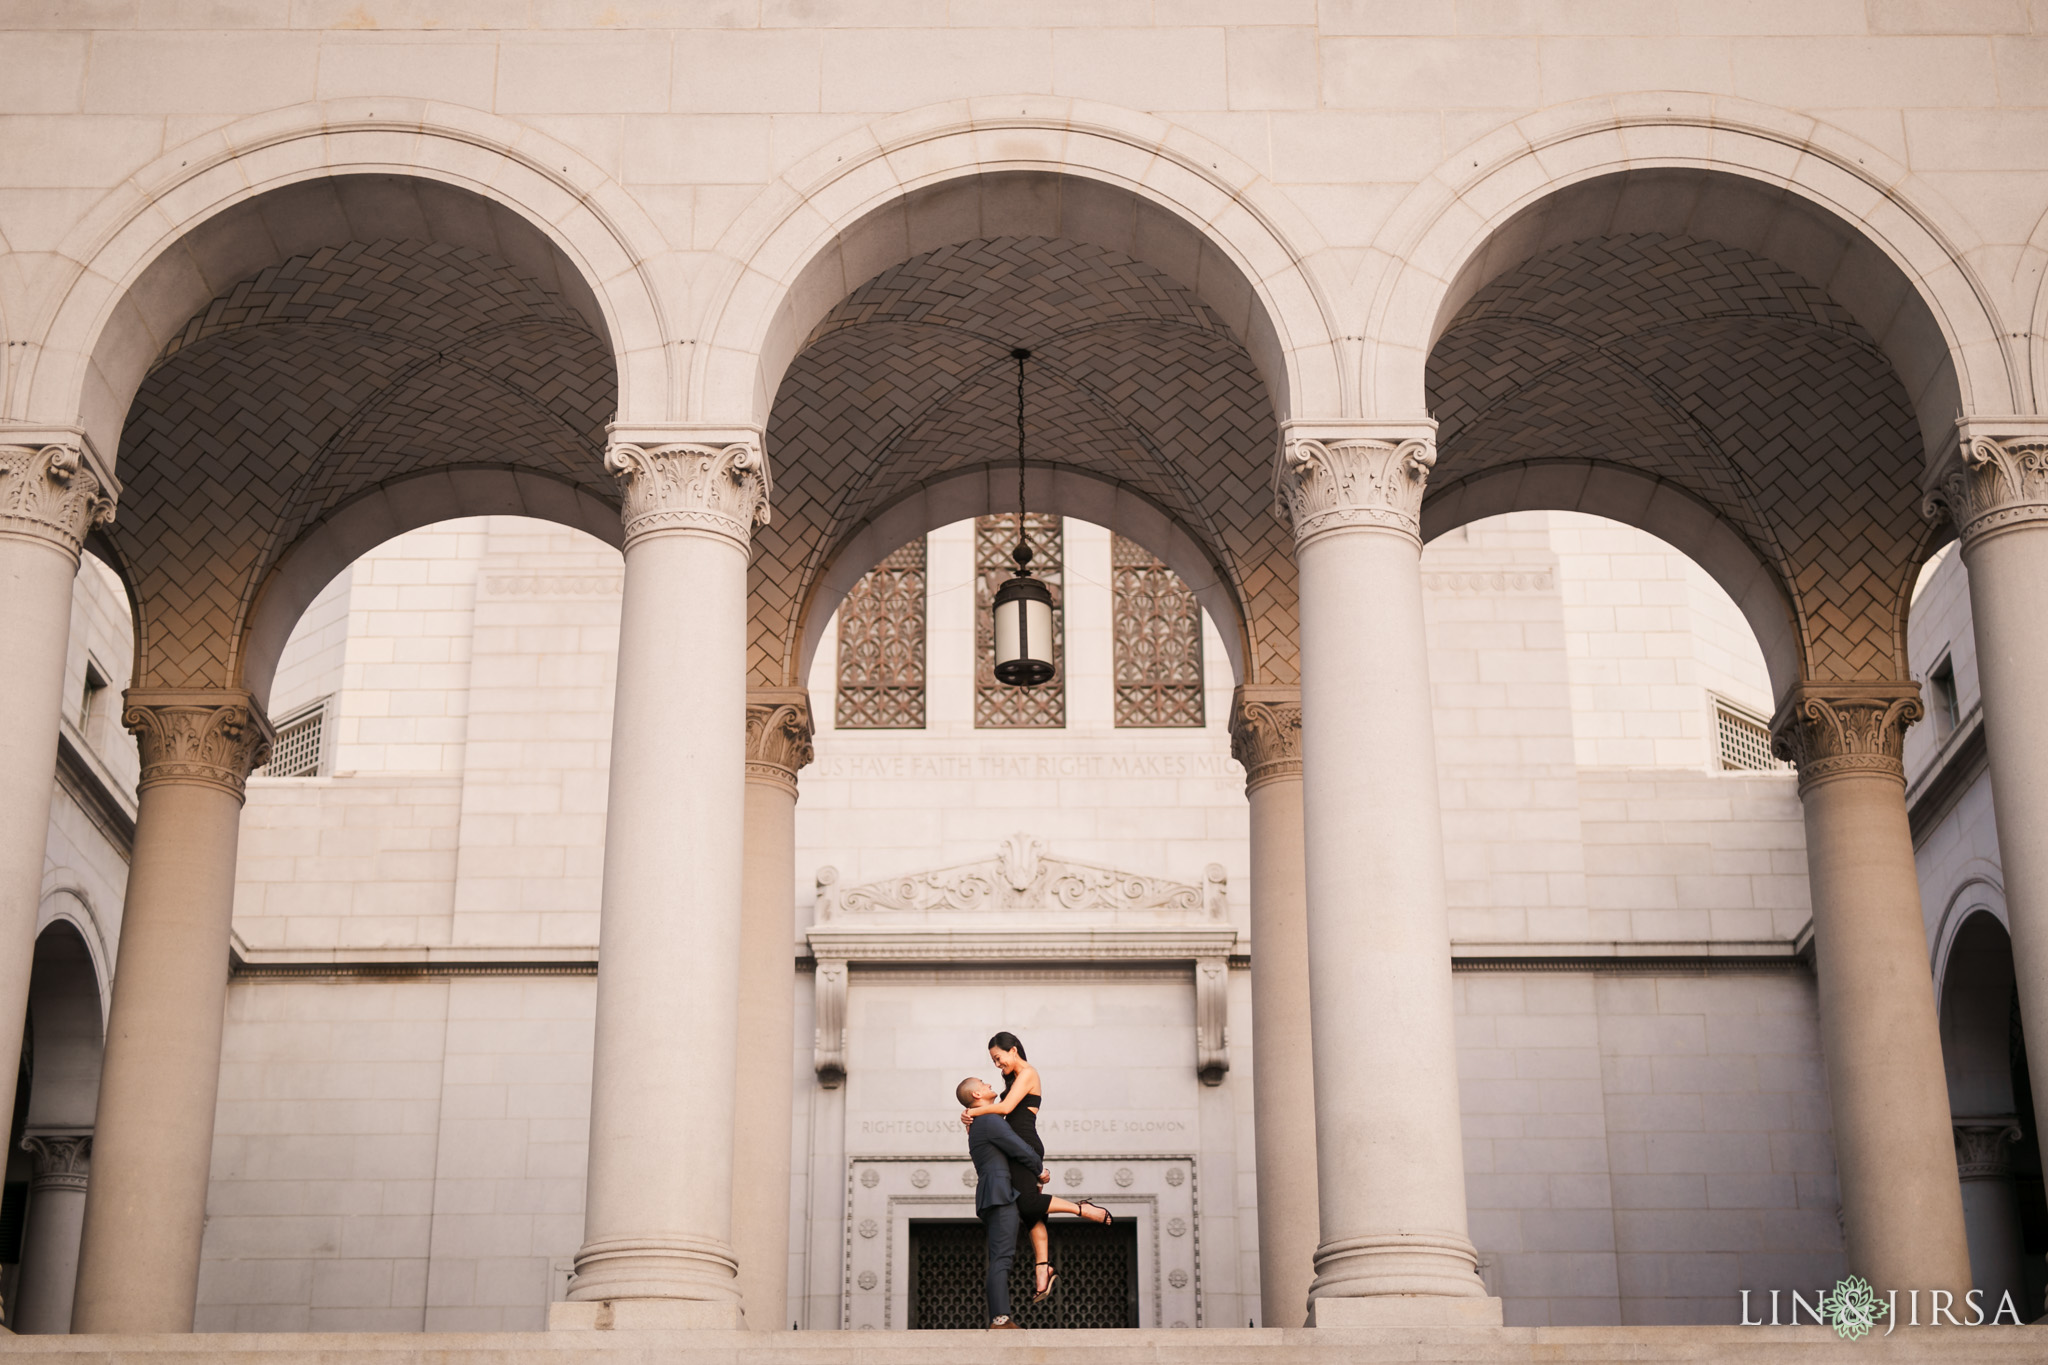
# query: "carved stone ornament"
[[1993, 483], [214, 738], [717, 490], [62, 1161], [1832, 730], [1984, 1147], [1265, 734], [1333, 485], [778, 735], [51, 492], [1023, 876]]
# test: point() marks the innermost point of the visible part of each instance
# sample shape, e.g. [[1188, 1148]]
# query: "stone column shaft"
[[56, 1217], [1894, 1152], [153, 1139], [1265, 734], [1389, 1153], [658, 1211], [1995, 491], [778, 744], [51, 496]]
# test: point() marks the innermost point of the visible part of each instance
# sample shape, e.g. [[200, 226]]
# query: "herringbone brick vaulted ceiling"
[[1132, 378], [1725, 374], [315, 380]]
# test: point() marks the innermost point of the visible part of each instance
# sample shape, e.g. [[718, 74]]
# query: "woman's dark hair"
[[1007, 1042]]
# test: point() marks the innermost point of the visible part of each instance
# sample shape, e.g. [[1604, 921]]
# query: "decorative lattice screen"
[[296, 750], [997, 707], [1098, 1284], [881, 646], [1158, 628], [1745, 741]]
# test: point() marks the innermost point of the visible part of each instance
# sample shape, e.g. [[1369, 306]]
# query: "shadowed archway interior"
[[334, 372], [1728, 375], [1133, 379]]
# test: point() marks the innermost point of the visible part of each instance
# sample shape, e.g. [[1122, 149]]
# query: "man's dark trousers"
[[1001, 1222]]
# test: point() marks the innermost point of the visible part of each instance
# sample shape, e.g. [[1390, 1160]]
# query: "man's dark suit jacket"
[[991, 1142]]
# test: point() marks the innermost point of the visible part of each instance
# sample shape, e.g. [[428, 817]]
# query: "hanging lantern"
[[1023, 605]]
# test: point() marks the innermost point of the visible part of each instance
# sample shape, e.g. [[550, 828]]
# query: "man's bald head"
[[968, 1090]]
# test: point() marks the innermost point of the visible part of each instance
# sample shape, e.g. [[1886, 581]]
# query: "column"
[[1991, 1209], [657, 1248], [1995, 491], [1894, 1155], [778, 744], [1389, 1155], [138, 1266], [51, 496], [56, 1217], [1265, 736]]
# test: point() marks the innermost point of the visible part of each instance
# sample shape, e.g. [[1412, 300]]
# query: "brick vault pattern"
[[320, 379], [1132, 378], [1725, 374]]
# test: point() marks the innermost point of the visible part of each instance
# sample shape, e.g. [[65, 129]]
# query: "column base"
[[645, 1315], [1404, 1310]]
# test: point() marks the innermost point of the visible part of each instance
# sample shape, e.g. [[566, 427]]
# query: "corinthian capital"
[[1984, 1147], [778, 734], [60, 1160], [1359, 475], [716, 486], [1996, 480], [1832, 730], [213, 738], [1265, 733], [51, 490]]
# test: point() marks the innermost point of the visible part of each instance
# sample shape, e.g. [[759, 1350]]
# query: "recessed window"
[[296, 750], [997, 707], [1158, 641], [881, 645], [94, 696], [1745, 739], [1941, 688]]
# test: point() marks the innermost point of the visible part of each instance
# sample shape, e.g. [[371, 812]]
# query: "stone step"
[[1266, 1346]]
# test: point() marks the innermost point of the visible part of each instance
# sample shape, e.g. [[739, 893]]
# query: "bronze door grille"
[[1098, 1276]]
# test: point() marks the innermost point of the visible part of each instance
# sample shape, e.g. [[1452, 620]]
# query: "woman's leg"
[[1094, 1213], [1041, 1270]]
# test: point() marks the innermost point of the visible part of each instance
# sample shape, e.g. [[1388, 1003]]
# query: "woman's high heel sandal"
[[1051, 1279], [1108, 1218]]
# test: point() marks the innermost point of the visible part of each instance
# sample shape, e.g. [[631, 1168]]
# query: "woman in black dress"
[[1023, 1094]]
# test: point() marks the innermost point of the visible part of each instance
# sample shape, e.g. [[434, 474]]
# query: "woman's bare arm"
[[1026, 1086]]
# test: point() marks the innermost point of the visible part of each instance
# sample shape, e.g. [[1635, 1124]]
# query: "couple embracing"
[[1009, 1165]]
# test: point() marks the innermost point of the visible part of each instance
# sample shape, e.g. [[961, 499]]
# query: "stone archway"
[[129, 291], [1019, 165], [1844, 215], [65, 1026]]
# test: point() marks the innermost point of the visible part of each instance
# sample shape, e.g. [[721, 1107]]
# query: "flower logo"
[[1852, 1307]]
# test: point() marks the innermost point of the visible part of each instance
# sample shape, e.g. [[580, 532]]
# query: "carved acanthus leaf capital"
[[53, 492], [60, 1160], [1984, 1147], [1323, 484], [778, 735], [1996, 480], [717, 488], [1831, 730], [213, 738], [1265, 733]]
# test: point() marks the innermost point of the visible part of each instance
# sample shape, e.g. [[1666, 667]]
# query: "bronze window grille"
[[997, 707], [881, 645], [1158, 630], [1098, 1276]]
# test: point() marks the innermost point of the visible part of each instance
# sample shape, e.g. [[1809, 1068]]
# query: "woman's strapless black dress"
[[1033, 1205]]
